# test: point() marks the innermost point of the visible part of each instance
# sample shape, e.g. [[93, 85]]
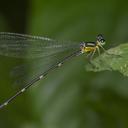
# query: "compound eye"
[[100, 38], [102, 41]]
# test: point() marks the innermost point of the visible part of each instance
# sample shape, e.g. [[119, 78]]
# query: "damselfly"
[[19, 45]]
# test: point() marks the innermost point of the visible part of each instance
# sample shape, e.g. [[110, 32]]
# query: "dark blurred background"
[[69, 97]]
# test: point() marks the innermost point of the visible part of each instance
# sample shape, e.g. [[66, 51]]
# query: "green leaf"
[[114, 59]]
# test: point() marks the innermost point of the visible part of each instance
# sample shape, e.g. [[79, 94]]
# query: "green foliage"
[[114, 59], [71, 97]]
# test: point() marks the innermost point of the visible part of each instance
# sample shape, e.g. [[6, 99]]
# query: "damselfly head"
[[100, 39]]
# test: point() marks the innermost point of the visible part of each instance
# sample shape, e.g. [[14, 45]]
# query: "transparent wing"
[[22, 74], [27, 46], [43, 53]]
